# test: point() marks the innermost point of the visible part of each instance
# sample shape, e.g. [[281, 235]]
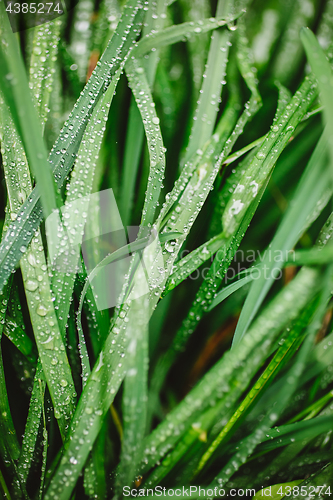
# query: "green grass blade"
[[289, 433], [135, 130], [323, 73], [205, 293], [188, 264], [135, 398], [15, 89], [94, 472], [231, 243], [10, 441], [141, 91], [20, 339], [308, 194], [228, 290], [32, 425], [6, 424], [321, 480], [289, 51], [195, 11], [37, 286], [284, 395], [42, 64], [210, 95], [176, 33], [133, 149]]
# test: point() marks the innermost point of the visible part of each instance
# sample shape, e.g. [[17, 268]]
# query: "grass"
[[166, 255]]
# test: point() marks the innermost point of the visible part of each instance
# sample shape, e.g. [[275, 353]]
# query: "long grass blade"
[[298, 217], [42, 65], [37, 286], [15, 90], [323, 73]]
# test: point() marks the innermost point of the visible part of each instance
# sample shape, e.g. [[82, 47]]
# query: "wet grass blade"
[[135, 398], [32, 426], [283, 396], [188, 264], [286, 434], [7, 426], [36, 284], [324, 76], [176, 33], [20, 339], [210, 95], [80, 37], [294, 223], [42, 65], [135, 131], [231, 242], [141, 91], [15, 90]]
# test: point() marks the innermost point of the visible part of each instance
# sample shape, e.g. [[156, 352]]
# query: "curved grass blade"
[[66, 147], [289, 433], [192, 261], [122, 252], [298, 258], [20, 339], [174, 34], [225, 292]]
